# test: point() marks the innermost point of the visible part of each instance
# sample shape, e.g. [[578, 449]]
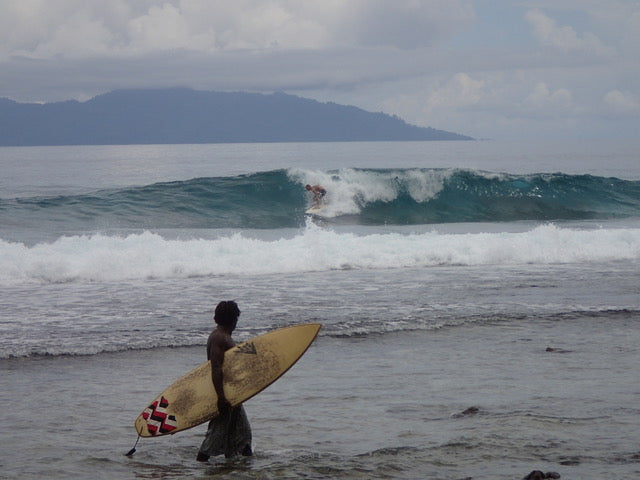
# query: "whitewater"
[[480, 304], [148, 255]]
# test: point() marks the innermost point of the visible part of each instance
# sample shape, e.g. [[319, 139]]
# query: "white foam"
[[349, 189], [148, 255]]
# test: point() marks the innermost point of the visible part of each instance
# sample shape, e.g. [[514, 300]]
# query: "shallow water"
[[387, 406]]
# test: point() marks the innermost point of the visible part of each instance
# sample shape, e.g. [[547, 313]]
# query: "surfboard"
[[315, 210], [248, 368]]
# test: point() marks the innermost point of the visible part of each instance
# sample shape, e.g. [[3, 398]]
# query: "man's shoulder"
[[220, 339]]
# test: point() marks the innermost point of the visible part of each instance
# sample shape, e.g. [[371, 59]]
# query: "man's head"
[[226, 314], [307, 186]]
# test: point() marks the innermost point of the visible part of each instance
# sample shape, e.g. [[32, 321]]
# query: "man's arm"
[[216, 356]]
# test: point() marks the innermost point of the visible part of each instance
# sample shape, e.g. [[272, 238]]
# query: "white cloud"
[[447, 103], [460, 90], [546, 102], [548, 33], [622, 103], [71, 28], [96, 39], [68, 28], [405, 24], [166, 28]]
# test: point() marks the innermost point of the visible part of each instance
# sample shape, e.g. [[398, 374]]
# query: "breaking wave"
[[277, 199]]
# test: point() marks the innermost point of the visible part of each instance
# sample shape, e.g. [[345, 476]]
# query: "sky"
[[531, 69]]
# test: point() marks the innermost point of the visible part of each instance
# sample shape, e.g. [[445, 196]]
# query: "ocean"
[[480, 304]]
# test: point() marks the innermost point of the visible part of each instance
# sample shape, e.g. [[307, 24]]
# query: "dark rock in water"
[[556, 350], [535, 475], [539, 475], [468, 411]]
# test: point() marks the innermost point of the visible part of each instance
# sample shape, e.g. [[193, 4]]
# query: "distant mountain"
[[180, 115]]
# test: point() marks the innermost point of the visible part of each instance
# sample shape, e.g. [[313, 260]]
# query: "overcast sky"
[[485, 68]]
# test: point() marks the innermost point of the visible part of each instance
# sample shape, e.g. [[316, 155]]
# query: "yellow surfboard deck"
[[248, 368]]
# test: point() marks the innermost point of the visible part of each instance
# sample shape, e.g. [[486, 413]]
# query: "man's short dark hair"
[[227, 312]]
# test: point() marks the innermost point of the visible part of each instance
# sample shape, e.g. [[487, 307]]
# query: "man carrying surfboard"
[[318, 193], [229, 433]]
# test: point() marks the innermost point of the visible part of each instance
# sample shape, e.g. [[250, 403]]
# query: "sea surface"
[[480, 304]]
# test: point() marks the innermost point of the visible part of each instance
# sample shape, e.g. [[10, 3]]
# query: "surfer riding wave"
[[318, 192]]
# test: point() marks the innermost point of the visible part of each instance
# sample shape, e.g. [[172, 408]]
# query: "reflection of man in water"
[[318, 193]]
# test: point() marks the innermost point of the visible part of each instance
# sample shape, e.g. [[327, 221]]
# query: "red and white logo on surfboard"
[[158, 421]]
